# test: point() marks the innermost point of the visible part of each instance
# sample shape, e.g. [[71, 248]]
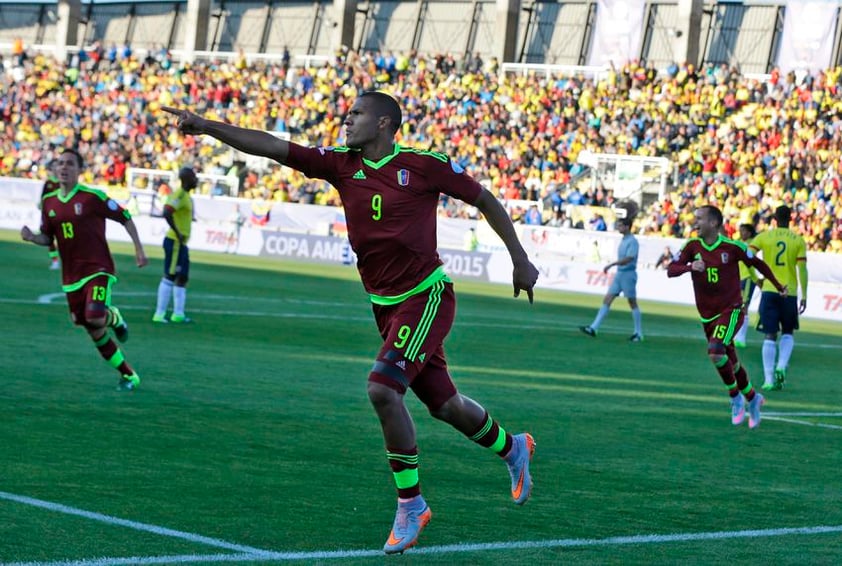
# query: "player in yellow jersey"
[[786, 253], [178, 212], [748, 282]]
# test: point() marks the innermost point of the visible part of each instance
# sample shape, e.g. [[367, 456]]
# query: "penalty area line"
[[447, 549]]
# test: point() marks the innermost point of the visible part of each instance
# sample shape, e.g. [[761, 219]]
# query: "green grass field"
[[251, 439]]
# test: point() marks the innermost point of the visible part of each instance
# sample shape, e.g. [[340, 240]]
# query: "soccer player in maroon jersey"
[[390, 194], [713, 262], [74, 216]]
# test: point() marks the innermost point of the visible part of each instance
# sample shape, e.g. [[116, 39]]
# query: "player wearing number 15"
[[391, 194], [75, 216], [713, 262], [783, 250]]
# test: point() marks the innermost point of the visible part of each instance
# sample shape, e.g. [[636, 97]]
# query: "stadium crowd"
[[746, 145]]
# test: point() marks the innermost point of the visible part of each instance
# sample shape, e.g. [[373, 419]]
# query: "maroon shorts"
[[91, 300], [721, 330], [412, 355]]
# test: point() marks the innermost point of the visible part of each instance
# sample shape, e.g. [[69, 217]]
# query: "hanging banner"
[[807, 39], [618, 32]]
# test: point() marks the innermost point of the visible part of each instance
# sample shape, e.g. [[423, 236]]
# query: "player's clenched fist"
[[188, 122]]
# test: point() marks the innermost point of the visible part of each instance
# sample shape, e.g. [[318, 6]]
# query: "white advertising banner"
[[618, 33], [807, 38], [824, 300], [568, 260]]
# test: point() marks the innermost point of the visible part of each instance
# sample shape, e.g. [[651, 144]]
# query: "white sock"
[[603, 310], [179, 298], [638, 322], [769, 350], [164, 294], [742, 332], [786, 346]]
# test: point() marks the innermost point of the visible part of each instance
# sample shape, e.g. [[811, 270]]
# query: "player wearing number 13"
[[390, 195], [75, 216], [713, 262]]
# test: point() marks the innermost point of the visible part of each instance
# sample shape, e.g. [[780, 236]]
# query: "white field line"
[[799, 414], [537, 324], [163, 531], [444, 549], [804, 423], [786, 417]]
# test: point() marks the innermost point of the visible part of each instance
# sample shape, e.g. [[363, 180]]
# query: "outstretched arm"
[[255, 142], [525, 275]]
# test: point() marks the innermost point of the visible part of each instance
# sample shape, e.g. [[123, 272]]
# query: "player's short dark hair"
[[80, 161], [783, 214], [714, 212], [752, 230], [188, 177], [385, 105]]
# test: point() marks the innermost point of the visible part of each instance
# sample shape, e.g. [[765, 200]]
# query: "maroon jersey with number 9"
[[390, 208]]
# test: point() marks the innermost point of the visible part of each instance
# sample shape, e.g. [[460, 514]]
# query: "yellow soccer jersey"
[[783, 250], [182, 216]]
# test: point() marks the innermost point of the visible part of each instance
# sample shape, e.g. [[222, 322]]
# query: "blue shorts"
[[624, 282], [176, 259], [777, 313]]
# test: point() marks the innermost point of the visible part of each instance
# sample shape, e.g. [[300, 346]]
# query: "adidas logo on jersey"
[[401, 364], [359, 174], [52, 213]]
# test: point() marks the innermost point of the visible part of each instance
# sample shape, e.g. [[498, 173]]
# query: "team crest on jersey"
[[77, 208], [724, 257], [403, 178]]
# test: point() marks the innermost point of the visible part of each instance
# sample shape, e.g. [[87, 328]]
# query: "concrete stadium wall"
[[742, 34], [25, 21], [658, 43], [444, 29], [392, 26], [240, 25], [558, 38], [110, 24]]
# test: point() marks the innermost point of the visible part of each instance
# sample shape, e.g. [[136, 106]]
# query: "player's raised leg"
[[89, 307]]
